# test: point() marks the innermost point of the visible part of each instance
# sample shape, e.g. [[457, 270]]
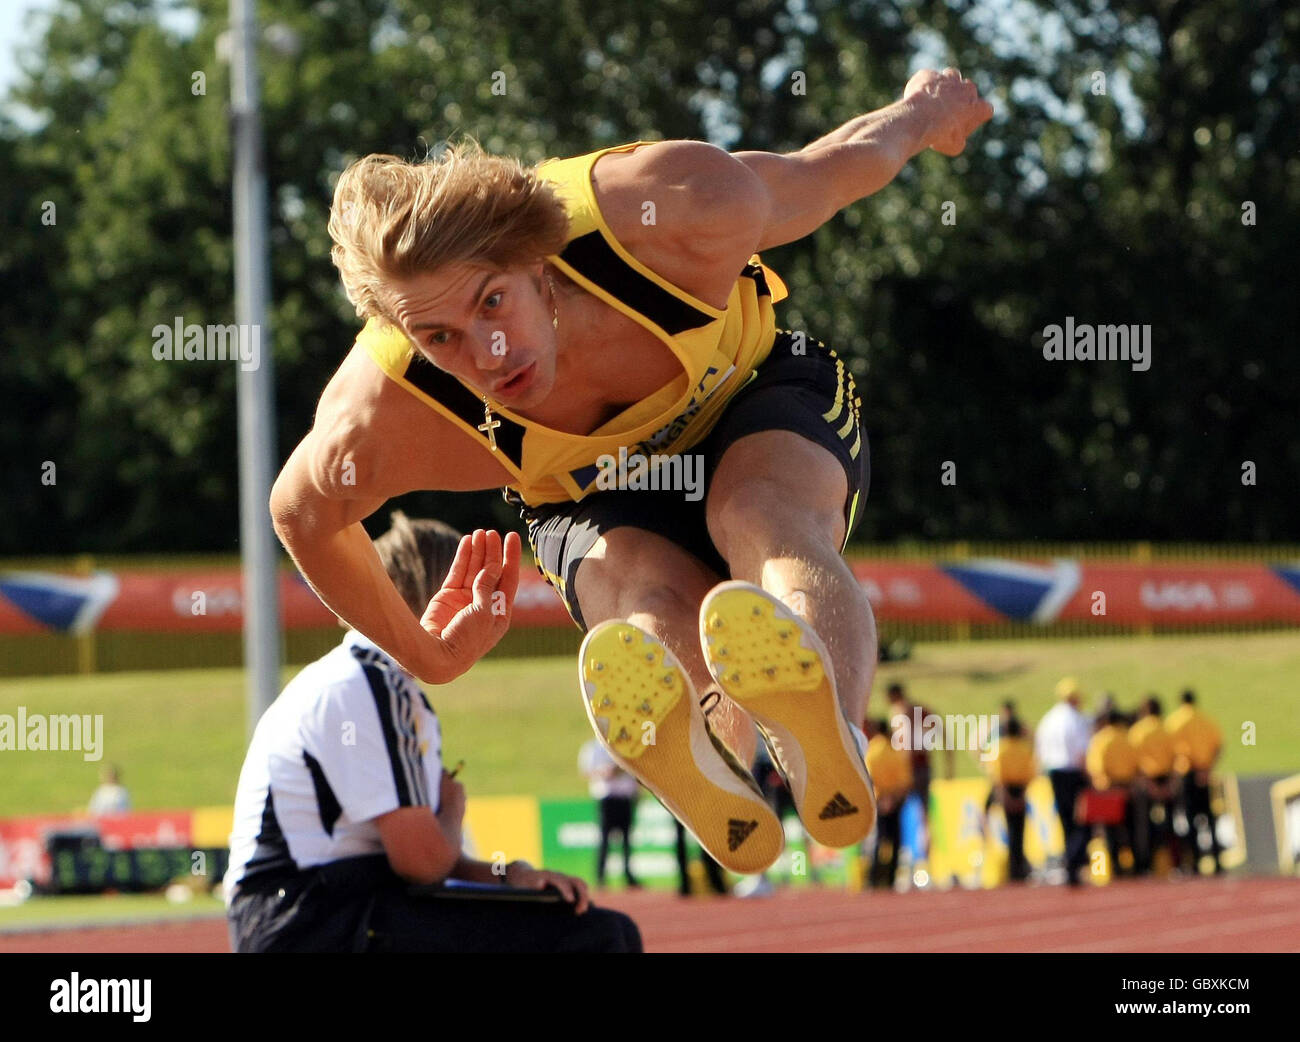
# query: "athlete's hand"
[[472, 610], [522, 875], [954, 106]]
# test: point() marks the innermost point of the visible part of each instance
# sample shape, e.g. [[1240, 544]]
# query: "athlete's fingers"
[[476, 557], [484, 584], [492, 557], [584, 902], [492, 552], [509, 583], [460, 564]]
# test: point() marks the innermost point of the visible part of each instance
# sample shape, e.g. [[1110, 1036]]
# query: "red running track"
[[1203, 915]]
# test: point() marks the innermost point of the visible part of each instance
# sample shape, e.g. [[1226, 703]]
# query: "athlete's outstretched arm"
[[318, 518], [798, 192]]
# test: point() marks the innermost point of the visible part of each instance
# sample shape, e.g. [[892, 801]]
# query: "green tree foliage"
[[1116, 207]]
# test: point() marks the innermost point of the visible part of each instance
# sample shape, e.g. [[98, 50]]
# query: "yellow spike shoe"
[[644, 710], [774, 666]]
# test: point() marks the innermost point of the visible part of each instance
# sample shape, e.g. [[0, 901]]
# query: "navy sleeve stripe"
[[410, 740], [394, 739], [326, 802]]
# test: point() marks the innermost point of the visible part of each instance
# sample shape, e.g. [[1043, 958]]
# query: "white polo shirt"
[[350, 738], [1061, 741], [592, 758]]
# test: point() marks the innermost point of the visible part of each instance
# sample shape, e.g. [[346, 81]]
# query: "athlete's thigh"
[[631, 571], [791, 447], [620, 552], [779, 477]]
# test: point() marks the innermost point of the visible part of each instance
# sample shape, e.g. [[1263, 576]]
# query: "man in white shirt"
[[111, 796], [615, 792], [1061, 745], [343, 801]]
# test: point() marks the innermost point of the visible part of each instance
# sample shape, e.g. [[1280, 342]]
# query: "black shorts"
[[810, 393]]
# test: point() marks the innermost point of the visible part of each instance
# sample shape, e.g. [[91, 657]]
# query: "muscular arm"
[[803, 190], [342, 472], [318, 518], [729, 205]]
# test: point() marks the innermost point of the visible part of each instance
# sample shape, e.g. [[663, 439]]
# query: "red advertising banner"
[[22, 840], [978, 590]]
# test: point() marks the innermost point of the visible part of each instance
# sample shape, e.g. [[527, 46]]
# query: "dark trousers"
[[921, 785], [1196, 805], [884, 860], [400, 923], [712, 870], [1120, 837], [325, 909], [360, 905], [615, 816], [1014, 810], [1143, 828], [1066, 786], [1152, 822]]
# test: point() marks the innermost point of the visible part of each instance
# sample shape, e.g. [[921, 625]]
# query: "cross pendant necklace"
[[489, 425]]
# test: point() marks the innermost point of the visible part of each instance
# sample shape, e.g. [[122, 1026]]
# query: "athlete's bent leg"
[[776, 514], [634, 574], [639, 595]]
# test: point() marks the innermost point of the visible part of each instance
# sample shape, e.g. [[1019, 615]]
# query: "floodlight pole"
[[259, 549]]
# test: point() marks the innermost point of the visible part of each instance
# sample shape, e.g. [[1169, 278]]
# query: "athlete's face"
[[491, 329]]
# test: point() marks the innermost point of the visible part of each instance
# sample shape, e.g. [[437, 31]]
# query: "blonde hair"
[[394, 219], [417, 556]]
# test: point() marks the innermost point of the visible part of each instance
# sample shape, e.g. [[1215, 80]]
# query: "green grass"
[[179, 736], [104, 909]]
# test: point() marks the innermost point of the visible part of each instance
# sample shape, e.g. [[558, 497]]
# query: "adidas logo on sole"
[[837, 807], [738, 832], [628, 679], [770, 661]]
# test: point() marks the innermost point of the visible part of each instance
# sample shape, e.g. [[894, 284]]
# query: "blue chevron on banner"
[[1290, 574], [1024, 592], [65, 603]]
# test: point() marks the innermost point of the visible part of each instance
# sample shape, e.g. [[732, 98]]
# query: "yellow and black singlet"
[[718, 351]]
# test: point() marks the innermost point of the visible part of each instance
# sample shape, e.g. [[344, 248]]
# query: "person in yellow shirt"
[[1011, 770], [1112, 761], [1197, 744], [890, 765], [1112, 764], [1153, 790]]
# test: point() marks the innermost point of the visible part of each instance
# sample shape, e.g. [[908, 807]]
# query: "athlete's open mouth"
[[514, 383]]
